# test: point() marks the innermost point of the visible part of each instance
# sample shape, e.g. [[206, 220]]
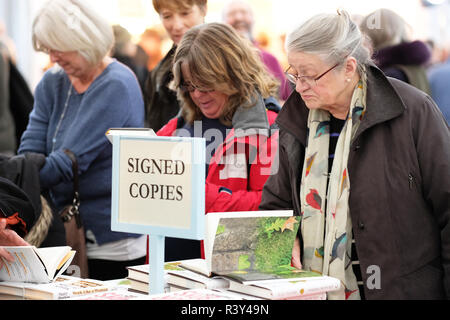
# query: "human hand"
[[9, 238], [295, 260]]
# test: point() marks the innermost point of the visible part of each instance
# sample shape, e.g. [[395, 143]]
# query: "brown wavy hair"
[[219, 58]]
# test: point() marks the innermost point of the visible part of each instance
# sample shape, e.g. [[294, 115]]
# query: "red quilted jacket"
[[242, 164]]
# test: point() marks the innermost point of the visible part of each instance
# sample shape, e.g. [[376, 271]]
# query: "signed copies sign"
[[158, 184]]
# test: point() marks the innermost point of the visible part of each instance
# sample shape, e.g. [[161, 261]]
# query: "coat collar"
[[383, 104], [248, 119]]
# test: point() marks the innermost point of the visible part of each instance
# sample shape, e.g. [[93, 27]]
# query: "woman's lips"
[[206, 104], [306, 97]]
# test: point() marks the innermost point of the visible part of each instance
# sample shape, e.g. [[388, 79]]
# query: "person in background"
[[149, 49], [226, 96], [439, 77], [76, 102], [239, 15], [364, 160], [8, 139], [125, 50], [177, 17], [394, 53]]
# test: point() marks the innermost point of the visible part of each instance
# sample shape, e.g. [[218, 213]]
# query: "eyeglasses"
[[189, 87], [57, 53], [307, 80]]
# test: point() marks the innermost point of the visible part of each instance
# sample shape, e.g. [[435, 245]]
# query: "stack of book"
[[247, 255], [37, 274]]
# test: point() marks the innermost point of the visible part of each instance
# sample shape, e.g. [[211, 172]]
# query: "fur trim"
[[39, 231]]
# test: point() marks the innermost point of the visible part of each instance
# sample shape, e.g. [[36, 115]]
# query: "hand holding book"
[[8, 238]]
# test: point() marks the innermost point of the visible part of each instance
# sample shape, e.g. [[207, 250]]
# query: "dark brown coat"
[[399, 169]]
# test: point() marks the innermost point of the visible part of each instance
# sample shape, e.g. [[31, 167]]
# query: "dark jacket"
[[23, 172], [161, 103], [399, 169]]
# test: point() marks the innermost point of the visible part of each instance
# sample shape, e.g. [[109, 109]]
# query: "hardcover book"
[[246, 242]]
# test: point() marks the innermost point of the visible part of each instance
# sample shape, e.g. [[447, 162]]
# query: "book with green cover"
[[247, 243]]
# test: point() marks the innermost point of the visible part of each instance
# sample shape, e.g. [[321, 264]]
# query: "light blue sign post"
[[158, 189]]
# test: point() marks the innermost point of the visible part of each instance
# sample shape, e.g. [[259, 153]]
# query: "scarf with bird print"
[[326, 225]]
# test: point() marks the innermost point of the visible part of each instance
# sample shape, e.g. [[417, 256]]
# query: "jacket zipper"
[[411, 181]]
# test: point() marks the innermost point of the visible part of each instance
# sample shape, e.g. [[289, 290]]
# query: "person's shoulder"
[[416, 102], [117, 71], [118, 79]]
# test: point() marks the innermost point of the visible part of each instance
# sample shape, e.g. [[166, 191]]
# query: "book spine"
[[319, 296], [304, 289], [77, 293]]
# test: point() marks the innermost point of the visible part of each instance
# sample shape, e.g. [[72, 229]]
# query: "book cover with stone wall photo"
[[256, 248]]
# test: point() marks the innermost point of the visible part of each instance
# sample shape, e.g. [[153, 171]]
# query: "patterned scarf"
[[326, 224]]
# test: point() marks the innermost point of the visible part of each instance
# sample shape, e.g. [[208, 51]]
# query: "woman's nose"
[[197, 93], [301, 86]]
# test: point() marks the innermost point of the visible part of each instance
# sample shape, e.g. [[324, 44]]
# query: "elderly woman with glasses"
[[226, 96], [76, 102], [365, 161]]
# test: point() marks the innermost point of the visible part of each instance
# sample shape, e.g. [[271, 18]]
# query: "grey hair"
[[332, 37], [390, 29], [72, 25]]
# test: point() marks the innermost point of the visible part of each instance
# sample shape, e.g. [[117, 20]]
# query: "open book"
[[35, 265], [246, 242], [253, 251]]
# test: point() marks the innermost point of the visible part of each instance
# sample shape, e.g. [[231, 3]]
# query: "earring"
[[348, 80]]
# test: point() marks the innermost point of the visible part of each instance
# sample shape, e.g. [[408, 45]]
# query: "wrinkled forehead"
[[303, 62]]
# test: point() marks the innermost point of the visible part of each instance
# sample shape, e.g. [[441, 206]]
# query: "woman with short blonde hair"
[[76, 102], [79, 28], [228, 63]]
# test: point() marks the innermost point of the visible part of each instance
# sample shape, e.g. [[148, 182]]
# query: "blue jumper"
[[113, 100]]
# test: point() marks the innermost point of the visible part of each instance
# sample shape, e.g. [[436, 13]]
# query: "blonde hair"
[[385, 28], [332, 37], [218, 58], [71, 25], [177, 5]]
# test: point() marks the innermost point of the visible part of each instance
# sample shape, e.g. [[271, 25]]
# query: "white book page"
[[197, 265], [51, 257], [26, 266]]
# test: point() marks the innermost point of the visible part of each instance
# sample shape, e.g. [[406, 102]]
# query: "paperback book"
[[63, 287], [35, 265]]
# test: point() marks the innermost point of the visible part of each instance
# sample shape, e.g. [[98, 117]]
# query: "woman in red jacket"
[[226, 97]]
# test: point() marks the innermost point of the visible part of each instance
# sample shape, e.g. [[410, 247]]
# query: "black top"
[[336, 126]]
